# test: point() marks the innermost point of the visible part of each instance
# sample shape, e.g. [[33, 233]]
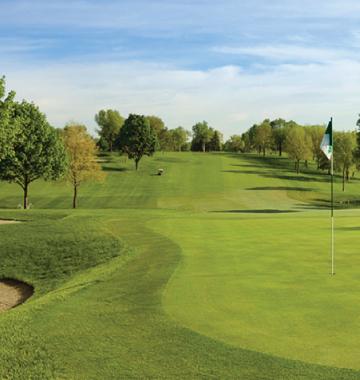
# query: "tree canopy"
[[136, 138], [7, 128], [110, 123], [38, 151], [82, 154], [202, 134]]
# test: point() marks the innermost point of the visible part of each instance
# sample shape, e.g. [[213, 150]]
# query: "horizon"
[[231, 64]]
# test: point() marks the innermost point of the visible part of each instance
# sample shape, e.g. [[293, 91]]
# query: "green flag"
[[327, 142]]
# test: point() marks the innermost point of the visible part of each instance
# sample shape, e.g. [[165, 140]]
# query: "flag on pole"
[[327, 144]]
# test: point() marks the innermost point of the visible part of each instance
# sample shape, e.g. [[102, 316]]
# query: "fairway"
[[217, 269]]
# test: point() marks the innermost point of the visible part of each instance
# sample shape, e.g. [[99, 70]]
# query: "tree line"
[[301, 144], [30, 148]]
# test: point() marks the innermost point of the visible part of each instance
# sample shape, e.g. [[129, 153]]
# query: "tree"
[[234, 144], [38, 150], [263, 136], [215, 143], [136, 138], [82, 152], [202, 134], [178, 137], [316, 133], [279, 133], [297, 145], [110, 123], [344, 146], [156, 124], [7, 129]]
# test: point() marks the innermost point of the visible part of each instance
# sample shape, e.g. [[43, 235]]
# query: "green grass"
[[168, 277]]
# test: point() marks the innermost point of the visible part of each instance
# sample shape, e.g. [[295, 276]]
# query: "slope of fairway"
[[218, 269]]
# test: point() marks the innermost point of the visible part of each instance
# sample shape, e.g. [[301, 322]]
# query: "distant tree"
[[165, 140], [357, 149], [202, 134], [316, 133], [279, 134], [344, 147], [215, 144], [298, 145], [110, 123], [82, 154], [156, 124], [38, 150], [246, 142], [263, 136], [7, 128], [234, 144], [136, 138], [178, 137]]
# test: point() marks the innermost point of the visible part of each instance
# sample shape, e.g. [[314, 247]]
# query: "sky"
[[232, 63]]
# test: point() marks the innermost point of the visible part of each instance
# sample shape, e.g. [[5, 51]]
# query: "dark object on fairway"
[[13, 293], [160, 171]]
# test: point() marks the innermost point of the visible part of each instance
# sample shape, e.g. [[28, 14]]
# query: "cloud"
[[230, 98], [290, 52]]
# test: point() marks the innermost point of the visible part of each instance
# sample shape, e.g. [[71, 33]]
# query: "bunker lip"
[[8, 221], [13, 293]]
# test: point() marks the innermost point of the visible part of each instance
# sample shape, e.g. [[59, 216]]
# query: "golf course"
[[219, 268]]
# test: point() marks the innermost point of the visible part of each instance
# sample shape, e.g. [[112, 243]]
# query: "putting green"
[[263, 283]]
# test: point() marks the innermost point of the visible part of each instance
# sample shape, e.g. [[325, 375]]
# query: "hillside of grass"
[[218, 269]]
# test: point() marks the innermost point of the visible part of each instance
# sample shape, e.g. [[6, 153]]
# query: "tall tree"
[[136, 138], [297, 145], [82, 153], [110, 123], [344, 146], [279, 134], [263, 136], [38, 150], [202, 134]]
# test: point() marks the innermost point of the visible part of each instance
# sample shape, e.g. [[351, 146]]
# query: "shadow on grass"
[[285, 188], [348, 229], [114, 169], [259, 211], [295, 177]]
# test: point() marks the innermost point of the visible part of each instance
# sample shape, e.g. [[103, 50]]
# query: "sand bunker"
[[8, 221], [13, 293]]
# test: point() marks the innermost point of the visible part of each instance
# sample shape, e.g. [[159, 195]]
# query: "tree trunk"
[[110, 146], [26, 199], [343, 180], [203, 147], [297, 166], [280, 150], [264, 151], [137, 163], [75, 197], [306, 163]]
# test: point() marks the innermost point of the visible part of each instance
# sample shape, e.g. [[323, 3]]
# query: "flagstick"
[[332, 218]]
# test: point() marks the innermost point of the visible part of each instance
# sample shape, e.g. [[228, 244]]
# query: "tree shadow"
[[114, 169], [348, 229], [284, 188], [257, 211]]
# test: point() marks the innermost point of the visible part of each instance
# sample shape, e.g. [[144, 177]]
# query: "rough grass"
[[169, 284]]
